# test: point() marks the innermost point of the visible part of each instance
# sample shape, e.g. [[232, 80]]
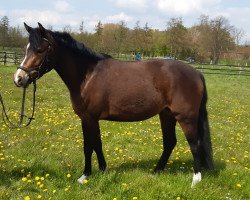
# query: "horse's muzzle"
[[21, 79]]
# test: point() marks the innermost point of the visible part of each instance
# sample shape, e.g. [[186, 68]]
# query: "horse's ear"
[[28, 28], [45, 33], [42, 29]]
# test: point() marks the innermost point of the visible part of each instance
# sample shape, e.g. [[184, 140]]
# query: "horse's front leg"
[[92, 142]]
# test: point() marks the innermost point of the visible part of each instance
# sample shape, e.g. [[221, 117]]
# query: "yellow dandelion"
[[85, 181], [27, 198], [39, 196], [135, 198], [238, 185], [115, 198], [37, 178], [178, 198], [24, 179], [68, 175]]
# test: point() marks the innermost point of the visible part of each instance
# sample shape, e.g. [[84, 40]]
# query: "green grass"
[[36, 160]]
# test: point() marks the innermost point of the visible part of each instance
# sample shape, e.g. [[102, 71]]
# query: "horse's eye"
[[39, 50]]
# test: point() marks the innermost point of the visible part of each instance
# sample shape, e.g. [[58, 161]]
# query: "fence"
[[223, 69], [11, 58], [16, 58]]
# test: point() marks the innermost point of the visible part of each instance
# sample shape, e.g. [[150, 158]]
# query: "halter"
[[37, 69]]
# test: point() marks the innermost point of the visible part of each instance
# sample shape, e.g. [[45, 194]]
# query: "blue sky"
[[60, 13]]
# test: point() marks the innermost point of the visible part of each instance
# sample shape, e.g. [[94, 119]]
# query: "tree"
[[98, 36], [121, 38], [4, 28], [136, 37], [147, 38], [81, 27], [177, 38], [215, 36], [67, 29]]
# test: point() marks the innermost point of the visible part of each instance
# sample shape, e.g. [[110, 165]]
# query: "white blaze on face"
[[19, 71]]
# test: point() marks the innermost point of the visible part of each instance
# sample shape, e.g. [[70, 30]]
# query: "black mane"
[[66, 40]]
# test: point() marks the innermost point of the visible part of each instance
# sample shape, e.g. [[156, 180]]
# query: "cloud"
[[2, 12], [237, 17], [184, 7], [119, 17], [131, 4], [46, 16], [63, 6]]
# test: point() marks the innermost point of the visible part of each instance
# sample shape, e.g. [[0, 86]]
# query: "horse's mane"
[[66, 40]]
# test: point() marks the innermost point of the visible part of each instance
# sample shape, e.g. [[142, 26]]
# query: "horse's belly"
[[138, 109]]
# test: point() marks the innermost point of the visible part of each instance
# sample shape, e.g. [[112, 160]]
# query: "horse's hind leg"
[[168, 123], [190, 128]]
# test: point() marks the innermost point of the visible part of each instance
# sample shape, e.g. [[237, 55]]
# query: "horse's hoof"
[[82, 179], [196, 179]]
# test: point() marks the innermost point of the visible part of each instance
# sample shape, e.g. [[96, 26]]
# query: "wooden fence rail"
[[11, 58]]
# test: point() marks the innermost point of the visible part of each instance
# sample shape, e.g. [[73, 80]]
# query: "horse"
[[103, 88]]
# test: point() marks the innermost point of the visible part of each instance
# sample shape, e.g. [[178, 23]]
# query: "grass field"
[[44, 160]]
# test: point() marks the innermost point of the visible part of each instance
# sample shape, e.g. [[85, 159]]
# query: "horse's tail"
[[204, 132]]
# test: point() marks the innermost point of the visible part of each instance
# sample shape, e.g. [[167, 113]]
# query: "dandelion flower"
[[135, 198], [68, 175], [24, 179], [238, 185], [27, 198], [85, 181]]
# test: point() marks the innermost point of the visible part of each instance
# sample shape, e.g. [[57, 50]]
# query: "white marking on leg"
[[82, 178], [196, 179]]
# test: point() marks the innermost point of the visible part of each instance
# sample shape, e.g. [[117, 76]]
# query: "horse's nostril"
[[19, 79]]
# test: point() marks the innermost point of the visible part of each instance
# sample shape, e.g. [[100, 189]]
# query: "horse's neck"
[[72, 71]]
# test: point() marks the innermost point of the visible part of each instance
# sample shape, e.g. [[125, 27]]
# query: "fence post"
[[5, 58], [15, 58]]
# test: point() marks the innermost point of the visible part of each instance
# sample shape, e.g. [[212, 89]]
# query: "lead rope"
[[22, 115]]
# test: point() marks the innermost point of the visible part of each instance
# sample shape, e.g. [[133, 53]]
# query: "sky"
[[61, 13]]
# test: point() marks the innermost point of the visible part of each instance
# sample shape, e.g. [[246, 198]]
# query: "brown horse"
[[102, 88]]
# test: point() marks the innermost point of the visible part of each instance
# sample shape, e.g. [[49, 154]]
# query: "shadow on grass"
[[183, 166], [9, 176]]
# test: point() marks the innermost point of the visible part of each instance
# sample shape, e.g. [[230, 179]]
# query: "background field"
[[44, 160]]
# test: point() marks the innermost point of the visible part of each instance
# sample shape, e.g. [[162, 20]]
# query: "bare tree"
[[216, 36]]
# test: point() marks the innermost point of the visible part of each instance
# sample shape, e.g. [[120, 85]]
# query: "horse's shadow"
[[174, 168], [8, 176]]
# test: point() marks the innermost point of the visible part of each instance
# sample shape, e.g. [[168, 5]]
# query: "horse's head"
[[36, 61]]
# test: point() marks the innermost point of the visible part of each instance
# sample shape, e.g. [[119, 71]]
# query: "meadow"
[[44, 160]]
